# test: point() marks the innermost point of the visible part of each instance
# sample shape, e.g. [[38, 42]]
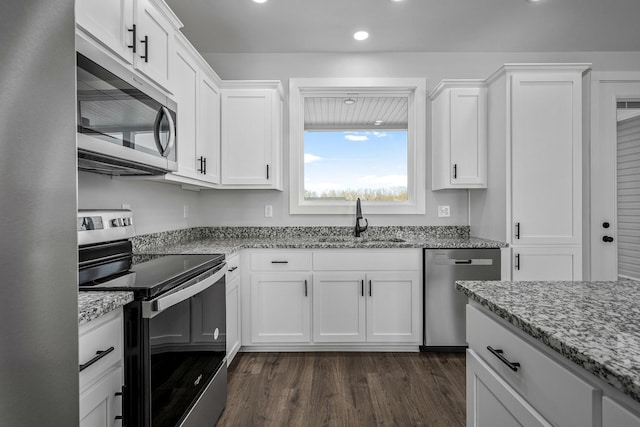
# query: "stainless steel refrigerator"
[[38, 252]]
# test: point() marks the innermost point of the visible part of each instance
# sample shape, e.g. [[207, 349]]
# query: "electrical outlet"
[[268, 211], [186, 211], [126, 206], [444, 211]]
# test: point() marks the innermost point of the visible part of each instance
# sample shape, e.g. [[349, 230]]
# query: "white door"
[[393, 306], [546, 159], [339, 307], [607, 90], [280, 307]]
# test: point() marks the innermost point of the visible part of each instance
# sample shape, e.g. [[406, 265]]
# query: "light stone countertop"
[[593, 324], [93, 304], [231, 246]]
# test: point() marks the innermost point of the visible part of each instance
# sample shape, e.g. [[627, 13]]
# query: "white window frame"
[[413, 88]]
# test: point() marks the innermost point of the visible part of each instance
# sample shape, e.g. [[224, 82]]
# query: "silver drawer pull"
[[498, 353]]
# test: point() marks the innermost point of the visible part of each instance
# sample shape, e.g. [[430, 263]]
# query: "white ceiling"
[[242, 26]]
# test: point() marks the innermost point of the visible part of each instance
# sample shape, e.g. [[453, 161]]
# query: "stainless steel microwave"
[[125, 126]]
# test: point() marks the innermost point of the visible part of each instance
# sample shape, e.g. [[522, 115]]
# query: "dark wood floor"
[[346, 389]]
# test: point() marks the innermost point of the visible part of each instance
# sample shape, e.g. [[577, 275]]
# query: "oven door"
[[175, 362]]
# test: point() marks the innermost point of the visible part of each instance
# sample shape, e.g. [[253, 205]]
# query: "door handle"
[[517, 230], [134, 38], [517, 266], [498, 353], [146, 49]]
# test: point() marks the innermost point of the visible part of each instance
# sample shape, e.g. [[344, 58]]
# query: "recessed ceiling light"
[[349, 101], [259, 1], [534, 1], [360, 35]]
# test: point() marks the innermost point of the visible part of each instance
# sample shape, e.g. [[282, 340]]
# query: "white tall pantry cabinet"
[[535, 169]]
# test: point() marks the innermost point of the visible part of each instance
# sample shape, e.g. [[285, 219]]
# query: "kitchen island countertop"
[[593, 324]]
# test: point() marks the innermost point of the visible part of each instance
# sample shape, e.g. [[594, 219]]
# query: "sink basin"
[[351, 239]]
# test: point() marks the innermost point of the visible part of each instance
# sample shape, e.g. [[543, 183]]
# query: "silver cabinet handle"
[[164, 151], [156, 306]]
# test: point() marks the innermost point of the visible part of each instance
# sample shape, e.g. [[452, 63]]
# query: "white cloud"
[[356, 137], [310, 158]]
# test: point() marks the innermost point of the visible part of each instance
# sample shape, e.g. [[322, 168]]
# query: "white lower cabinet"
[[281, 307], [365, 307], [540, 388], [339, 307], [615, 415], [335, 297], [547, 263], [99, 404], [233, 307], [101, 374], [492, 403]]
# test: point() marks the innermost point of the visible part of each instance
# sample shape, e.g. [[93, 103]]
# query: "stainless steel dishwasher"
[[444, 307]]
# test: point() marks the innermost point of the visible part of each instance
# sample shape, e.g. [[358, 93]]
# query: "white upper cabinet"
[[208, 136], [546, 147], [138, 32], [109, 22], [459, 134], [251, 134], [198, 95]]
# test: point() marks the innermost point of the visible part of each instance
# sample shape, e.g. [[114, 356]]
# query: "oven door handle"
[[156, 306]]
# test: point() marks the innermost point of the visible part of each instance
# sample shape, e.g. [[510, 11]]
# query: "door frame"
[[606, 88]]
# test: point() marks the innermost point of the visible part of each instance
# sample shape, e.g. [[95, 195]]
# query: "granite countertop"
[[92, 305], [231, 246], [593, 324]]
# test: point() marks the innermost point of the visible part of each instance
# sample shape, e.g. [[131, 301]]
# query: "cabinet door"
[[109, 23], [546, 158], [393, 306], [99, 405], [547, 263], [280, 307], [468, 138], [208, 138], [615, 415], [185, 86], [155, 43], [247, 137], [233, 318], [339, 307], [491, 402]]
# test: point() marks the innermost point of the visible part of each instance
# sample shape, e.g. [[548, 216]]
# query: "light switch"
[[268, 211], [444, 211]]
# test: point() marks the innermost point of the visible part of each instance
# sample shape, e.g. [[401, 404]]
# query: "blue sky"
[[347, 159]]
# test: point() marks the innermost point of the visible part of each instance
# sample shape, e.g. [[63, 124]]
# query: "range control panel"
[[97, 226]]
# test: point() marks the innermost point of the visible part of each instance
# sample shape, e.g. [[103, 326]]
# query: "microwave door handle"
[[164, 151]]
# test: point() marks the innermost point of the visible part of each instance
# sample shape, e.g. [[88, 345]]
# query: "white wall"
[[156, 206], [159, 206]]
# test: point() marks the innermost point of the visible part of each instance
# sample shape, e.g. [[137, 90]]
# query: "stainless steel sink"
[[351, 239]]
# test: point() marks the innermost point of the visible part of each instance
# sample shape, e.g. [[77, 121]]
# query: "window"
[[357, 138]]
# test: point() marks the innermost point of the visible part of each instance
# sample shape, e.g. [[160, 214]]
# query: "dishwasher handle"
[[473, 261]]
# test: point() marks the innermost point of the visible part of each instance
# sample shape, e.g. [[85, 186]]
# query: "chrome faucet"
[[360, 229]]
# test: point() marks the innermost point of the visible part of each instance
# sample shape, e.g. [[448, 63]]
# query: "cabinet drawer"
[[233, 267], [561, 397], [367, 260], [274, 260], [97, 336], [101, 403]]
